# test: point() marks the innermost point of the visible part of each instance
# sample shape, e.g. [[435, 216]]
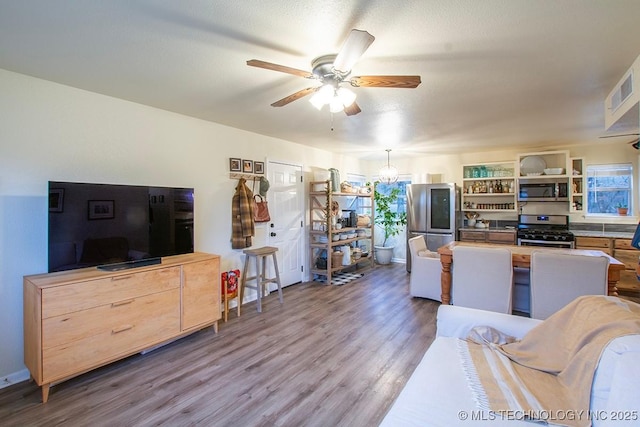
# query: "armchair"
[[425, 270]]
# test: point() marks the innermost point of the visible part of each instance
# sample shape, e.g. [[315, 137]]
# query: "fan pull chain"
[[331, 121]]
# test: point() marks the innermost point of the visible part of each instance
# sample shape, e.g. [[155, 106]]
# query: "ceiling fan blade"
[[352, 109], [294, 96], [408, 82], [616, 136], [352, 49], [281, 68]]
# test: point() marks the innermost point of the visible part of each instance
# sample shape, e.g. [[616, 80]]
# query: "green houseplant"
[[390, 221], [622, 209]]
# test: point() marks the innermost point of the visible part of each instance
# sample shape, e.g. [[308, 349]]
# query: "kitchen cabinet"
[[604, 244], [629, 256], [78, 320], [488, 187], [327, 235], [577, 188], [498, 237]]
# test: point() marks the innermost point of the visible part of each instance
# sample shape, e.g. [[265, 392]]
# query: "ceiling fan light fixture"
[[322, 97], [336, 105], [347, 97], [388, 174], [337, 99]]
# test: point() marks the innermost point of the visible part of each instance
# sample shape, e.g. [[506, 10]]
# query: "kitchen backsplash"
[[612, 228]]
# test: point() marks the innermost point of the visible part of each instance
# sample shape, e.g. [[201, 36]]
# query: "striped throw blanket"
[[547, 376]]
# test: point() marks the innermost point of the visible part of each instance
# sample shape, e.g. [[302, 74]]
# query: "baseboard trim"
[[14, 378]]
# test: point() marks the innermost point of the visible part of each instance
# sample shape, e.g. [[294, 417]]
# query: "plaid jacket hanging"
[[242, 223]]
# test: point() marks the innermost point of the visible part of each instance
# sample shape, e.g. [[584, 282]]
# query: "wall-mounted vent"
[[624, 91], [621, 105]]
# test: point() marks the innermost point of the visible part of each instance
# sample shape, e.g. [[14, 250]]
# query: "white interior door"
[[286, 208]]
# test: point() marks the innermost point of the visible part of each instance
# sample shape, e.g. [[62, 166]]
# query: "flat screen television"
[[121, 226]]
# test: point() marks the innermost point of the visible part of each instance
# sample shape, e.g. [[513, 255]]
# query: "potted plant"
[[622, 209], [390, 221]]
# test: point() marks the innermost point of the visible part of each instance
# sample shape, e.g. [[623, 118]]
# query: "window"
[[609, 187], [401, 204]]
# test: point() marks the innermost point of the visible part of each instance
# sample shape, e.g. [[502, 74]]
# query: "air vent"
[[624, 91], [621, 105]]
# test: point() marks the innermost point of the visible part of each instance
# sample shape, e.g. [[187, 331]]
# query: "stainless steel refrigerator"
[[433, 211]]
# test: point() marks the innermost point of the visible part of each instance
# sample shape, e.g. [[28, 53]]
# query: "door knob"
[[273, 234]]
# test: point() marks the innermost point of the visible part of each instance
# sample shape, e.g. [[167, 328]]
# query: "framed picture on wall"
[[258, 167], [101, 209], [247, 166], [235, 165], [56, 199]]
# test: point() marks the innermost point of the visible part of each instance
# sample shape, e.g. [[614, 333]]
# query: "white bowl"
[[343, 237], [554, 171]]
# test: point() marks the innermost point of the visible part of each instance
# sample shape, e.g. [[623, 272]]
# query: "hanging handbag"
[[261, 212]]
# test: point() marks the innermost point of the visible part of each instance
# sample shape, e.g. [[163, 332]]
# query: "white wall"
[[54, 132]]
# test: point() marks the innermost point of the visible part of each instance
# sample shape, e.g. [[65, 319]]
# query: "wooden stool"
[[260, 254]]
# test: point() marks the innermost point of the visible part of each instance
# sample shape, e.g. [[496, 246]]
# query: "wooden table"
[[521, 256]]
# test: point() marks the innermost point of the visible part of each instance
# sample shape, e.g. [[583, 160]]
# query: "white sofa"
[[437, 393]]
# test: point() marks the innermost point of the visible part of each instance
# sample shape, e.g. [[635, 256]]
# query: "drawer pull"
[[120, 303], [129, 276], [121, 329]]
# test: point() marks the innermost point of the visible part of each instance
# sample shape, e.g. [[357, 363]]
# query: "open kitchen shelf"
[[577, 195], [489, 187]]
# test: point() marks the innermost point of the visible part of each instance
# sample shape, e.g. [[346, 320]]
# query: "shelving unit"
[[553, 159], [323, 229], [577, 199], [481, 187]]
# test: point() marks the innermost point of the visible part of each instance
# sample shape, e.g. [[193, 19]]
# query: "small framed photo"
[[56, 199], [258, 167], [247, 166], [235, 165], [101, 209]]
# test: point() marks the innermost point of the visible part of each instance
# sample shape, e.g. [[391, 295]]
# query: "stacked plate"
[[532, 166]]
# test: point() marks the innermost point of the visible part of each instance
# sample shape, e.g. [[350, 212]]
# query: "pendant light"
[[388, 174]]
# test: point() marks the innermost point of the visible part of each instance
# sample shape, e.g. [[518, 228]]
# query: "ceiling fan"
[[635, 144], [333, 71]]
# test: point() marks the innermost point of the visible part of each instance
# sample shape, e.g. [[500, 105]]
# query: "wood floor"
[[330, 356]]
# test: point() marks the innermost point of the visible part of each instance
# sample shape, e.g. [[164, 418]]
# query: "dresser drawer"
[[102, 334], [74, 297], [79, 325]]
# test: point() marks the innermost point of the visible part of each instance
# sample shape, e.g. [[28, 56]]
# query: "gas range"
[[545, 230]]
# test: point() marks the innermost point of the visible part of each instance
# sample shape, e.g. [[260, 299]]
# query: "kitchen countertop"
[[608, 234]]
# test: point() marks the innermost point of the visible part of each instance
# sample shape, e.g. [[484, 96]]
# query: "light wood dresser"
[[78, 320]]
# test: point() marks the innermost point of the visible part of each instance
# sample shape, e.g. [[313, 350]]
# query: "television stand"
[[130, 264], [79, 320]]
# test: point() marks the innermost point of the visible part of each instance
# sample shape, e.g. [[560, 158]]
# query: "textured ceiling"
[[495, 73]]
